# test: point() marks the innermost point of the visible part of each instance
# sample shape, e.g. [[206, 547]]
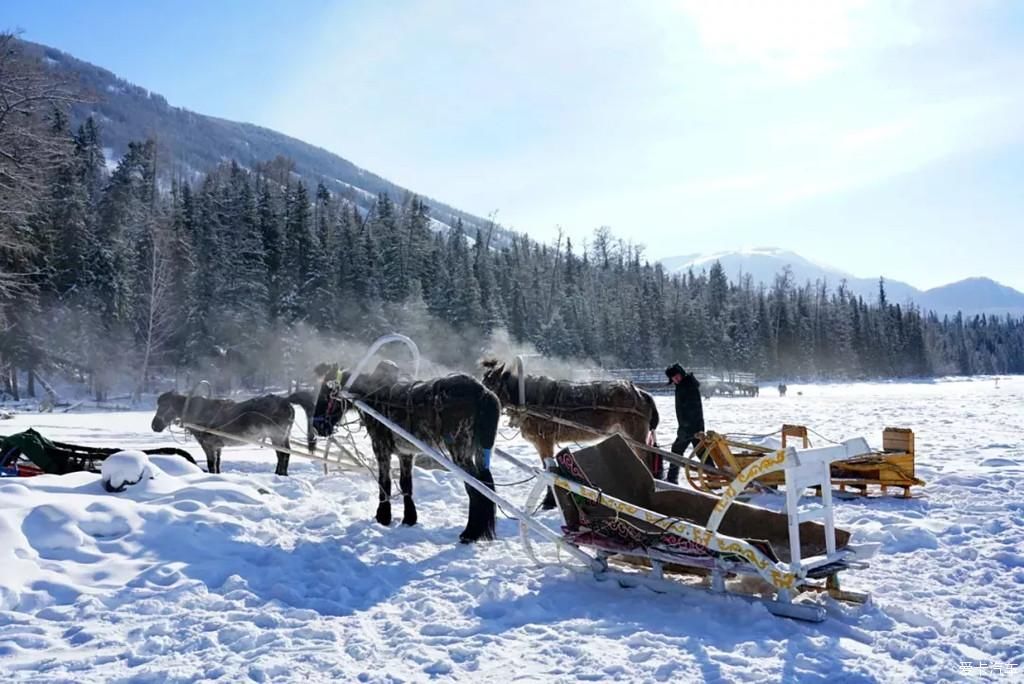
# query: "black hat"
[[672, 370]]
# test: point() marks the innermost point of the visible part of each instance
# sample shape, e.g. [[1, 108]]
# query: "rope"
[[533, 408], [518, 432], [532, 513], [751, 435], [513, 484], [878, 459], [818, 434]]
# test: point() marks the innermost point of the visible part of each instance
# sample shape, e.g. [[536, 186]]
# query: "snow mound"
[[126, 468], [171, 464]]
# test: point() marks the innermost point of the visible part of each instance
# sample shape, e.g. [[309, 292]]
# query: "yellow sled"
[[891, 467]]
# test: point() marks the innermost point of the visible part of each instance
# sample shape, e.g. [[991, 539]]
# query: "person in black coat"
[[689, 413]]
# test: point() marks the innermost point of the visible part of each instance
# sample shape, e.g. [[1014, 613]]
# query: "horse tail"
[[488, 414]]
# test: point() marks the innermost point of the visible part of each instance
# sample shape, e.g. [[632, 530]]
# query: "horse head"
[[499, 379], [329, 407], [169, 408]]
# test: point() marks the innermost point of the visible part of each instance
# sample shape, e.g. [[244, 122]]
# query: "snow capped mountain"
[[977, 295], [763, 264]]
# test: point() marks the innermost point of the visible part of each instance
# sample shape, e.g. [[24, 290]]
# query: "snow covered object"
[[126, 468]]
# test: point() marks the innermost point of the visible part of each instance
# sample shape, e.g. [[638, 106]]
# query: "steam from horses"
[[275, 357]]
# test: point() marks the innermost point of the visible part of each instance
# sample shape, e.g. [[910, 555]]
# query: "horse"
[[604, 406], [454, 414], [269, 416]]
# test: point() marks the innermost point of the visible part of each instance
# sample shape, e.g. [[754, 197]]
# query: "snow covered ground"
[[188, 576]]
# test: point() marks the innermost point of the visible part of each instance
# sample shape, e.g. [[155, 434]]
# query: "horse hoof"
[[409, 516], [470, 538], [384, 514]]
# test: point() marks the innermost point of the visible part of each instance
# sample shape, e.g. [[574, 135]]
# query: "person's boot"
[[673, 473]]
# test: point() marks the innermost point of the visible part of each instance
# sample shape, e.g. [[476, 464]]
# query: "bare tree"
[[158, 313], [29, 150]]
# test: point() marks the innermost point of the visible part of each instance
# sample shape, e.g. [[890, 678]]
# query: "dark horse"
[[455, 415], [605, 407], [267, 417]]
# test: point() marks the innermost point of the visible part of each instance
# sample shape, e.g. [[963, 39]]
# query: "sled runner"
[[893, 466], [29, 453]]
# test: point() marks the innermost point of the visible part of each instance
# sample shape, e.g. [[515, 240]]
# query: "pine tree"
[[320, 298]]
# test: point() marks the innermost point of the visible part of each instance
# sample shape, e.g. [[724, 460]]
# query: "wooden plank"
[[898, 439]]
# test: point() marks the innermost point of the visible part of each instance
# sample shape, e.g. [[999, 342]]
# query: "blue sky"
[[882, 138]]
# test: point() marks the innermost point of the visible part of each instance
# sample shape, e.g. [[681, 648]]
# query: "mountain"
[[974, 295], [762, 264], [190, 144]]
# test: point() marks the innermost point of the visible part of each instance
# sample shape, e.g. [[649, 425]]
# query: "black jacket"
[[689, 409]]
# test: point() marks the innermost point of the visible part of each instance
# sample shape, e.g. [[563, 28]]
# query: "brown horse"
[[454, 414], [605, 407]]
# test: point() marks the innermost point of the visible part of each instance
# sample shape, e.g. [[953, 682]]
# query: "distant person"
[[689, 413], [782, 389]]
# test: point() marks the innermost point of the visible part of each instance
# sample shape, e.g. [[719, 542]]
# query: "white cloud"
[[795, 39]]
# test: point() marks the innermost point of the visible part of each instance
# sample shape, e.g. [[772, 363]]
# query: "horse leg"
[[310, 434], [480, 524], [546, 449], [383, 485], [405, 484], [282, 457], [211, 456]]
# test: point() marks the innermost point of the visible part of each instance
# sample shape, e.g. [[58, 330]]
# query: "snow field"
[[250, 576]]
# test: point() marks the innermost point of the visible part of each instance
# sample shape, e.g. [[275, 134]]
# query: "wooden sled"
[[612, 507], [891, 467]]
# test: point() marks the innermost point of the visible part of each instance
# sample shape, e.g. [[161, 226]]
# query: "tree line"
[[119, 276]]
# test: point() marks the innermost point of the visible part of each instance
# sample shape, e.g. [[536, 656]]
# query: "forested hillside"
[[189, 144], [108, 278]]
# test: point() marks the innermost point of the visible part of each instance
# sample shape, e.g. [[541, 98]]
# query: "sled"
[[29, 453], [891, 467], [612, 506]]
